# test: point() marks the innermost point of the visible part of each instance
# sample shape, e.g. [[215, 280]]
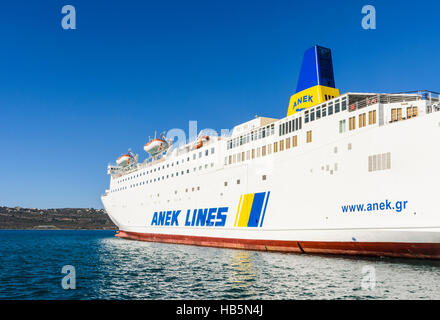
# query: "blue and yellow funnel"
[[316, 81]]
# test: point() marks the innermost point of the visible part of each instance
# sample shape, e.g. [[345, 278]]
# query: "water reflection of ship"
[[242, 270]]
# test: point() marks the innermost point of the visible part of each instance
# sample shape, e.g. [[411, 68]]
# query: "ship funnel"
[[316, 81]]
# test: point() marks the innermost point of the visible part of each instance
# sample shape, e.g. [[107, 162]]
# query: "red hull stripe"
[[390, 249]]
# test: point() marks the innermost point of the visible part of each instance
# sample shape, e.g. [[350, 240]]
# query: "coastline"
[[54, 219]]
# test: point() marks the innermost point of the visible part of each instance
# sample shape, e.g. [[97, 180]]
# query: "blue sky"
[[73, 100]]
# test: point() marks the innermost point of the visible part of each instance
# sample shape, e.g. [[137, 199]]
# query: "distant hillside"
[[68, 218]]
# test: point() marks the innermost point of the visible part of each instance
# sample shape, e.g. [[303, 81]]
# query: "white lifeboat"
[[124, 160], [155, 146]]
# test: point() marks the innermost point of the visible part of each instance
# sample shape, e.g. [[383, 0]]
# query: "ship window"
[[269, 149], [212, 150], [352, 123], [309, 136], [248, 153], [344, 104], [318, 113], [226, 183], [200, 154], [238, 181], [272, 129], [306, 116], [194, 156], [187, 170], [324, 111], [337, 106], [312, 115], [330, 108], [342, 126], [263, 151], [275, 147], [258, 152], [362, 122], [206, 152], [281, 145], [263, 177], [253, 153], [242, 156], [230, 159], [288, 143], [206, 166], [396, 114], [411, 112], [372, 117]]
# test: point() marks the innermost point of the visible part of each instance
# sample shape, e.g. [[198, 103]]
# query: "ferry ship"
[[352, 173]]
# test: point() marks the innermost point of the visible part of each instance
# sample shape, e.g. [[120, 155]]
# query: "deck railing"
[[431, 96]]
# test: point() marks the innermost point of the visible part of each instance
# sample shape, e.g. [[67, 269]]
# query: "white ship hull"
[[306, 198]]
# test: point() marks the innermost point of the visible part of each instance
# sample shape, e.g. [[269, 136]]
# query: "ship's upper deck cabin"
[[342, 115], [347, 103]]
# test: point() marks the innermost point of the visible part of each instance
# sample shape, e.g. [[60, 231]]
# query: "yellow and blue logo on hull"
[[310, 97], [251, 209]]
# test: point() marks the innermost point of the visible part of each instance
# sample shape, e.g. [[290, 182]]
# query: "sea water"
[[106, 267]]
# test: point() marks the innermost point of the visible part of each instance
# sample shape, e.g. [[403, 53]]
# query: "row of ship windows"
[[251, 136], [312, 114], [281, 145], [263, 177], [362, 121], [290, 126], [325, 110], [293, 141], [396, 113], [207, 153], [172, 175]]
